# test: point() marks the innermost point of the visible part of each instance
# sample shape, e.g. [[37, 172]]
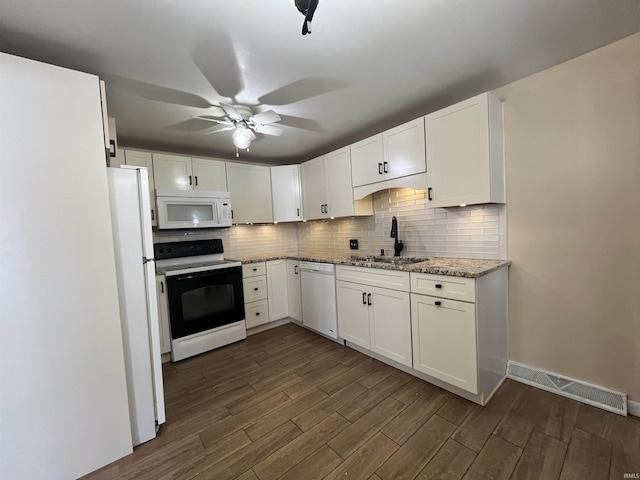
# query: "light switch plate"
[[353, 244]]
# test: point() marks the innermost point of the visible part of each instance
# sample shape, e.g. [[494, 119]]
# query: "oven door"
[[201, 301]]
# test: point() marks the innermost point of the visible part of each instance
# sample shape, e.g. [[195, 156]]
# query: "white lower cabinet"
[[444, 340], [375, 318], [254, 285], [459, 330], [277, 289], [163, 314], [294, 293]]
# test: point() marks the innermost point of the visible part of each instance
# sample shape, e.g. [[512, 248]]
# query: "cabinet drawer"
[[376, 277], [253, 269], [456, 288], [256, 313], [255, 288]]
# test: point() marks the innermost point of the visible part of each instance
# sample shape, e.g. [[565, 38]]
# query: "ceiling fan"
[[243, 122]]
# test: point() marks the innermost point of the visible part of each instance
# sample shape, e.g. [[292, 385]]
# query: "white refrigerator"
[[135, 272]]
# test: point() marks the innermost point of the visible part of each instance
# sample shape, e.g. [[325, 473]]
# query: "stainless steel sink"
[[390, 260], [397, 261]]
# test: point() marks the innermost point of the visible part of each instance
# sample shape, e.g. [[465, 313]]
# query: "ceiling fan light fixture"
[[241, 137]]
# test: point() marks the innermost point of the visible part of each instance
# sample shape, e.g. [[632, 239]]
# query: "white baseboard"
[[633, 408]]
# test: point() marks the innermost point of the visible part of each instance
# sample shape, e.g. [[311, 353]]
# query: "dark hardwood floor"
[[290, 404]]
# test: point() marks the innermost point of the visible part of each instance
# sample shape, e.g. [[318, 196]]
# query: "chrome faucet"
[[397, 245]]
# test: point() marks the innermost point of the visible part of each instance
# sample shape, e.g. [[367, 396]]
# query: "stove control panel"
[[163, 251]]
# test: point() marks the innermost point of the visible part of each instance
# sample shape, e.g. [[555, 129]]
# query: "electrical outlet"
[[353, 244]]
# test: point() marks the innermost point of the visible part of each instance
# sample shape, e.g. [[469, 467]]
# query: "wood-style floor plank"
[[496, 460], [366, 460], [327, 407], [450, 463], [456, 409], [365, 427], [315, 466], [239, 462], [543, 457], [287, 457], [588, 457], [369, 399], [282, 415], [414, 416], [412, 457]]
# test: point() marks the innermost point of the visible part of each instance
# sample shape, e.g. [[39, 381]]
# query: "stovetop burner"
[[175, 258]]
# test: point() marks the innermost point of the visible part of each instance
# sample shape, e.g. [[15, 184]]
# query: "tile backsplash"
[[478, 231]]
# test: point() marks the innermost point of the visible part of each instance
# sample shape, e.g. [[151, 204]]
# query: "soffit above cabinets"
[[366, 67]]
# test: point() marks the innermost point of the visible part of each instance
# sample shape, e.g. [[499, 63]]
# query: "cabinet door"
[[444, 340], [314, 188], [209, 175], [255, 288], [163, 314], [353, 313], [390, 323], [404, 150], [256, 313], [339, 189], [458, 152], [277, 289], [250, 189], [367, 157], [143, 159], [172, 171], [286, 193], [293, 290]]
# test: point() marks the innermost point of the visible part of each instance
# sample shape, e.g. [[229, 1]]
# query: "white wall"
[[573, 189], [63, 398]]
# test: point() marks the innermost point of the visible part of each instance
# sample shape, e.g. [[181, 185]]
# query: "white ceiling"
[[368, 64]]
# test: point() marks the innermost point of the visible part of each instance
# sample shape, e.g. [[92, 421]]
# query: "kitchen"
[[560, 291]]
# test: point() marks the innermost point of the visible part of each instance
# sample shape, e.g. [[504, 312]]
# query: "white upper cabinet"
[[396, 153], [184, 173], [172, 172], [286, 193], [250, 189], [404, 150], [367, 158], [143, 159], [209, 174], [465, 149], [314, 188], [327, 189]]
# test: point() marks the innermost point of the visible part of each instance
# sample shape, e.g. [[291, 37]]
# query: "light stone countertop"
[[455, 267]]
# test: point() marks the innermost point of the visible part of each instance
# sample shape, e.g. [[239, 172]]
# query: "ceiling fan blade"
[[214, 120], [210, 55], [232, 111], [265, 117], [218, 130], [268, 130], [217, 111], [301, 123], [301, 90]]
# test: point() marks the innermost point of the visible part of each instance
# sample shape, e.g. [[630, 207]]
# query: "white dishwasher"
[[319, 298]]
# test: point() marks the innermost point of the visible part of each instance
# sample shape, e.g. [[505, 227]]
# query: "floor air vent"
[[610, 400]]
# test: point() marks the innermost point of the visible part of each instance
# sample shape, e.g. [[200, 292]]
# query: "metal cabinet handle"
[[112, 148], [196, 178], [255, 289], [190, 182], [326, 208], [386, 167], [255, 269], [368, 299], [153, 215], [429, 193], [438, 285], [364, 298], [380, 168], [295, 269], [232, 214], [161, 287], [437, 304], [257, 314], [297, 212]]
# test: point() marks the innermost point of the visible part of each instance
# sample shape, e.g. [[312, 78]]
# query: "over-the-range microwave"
[[193, 209]]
